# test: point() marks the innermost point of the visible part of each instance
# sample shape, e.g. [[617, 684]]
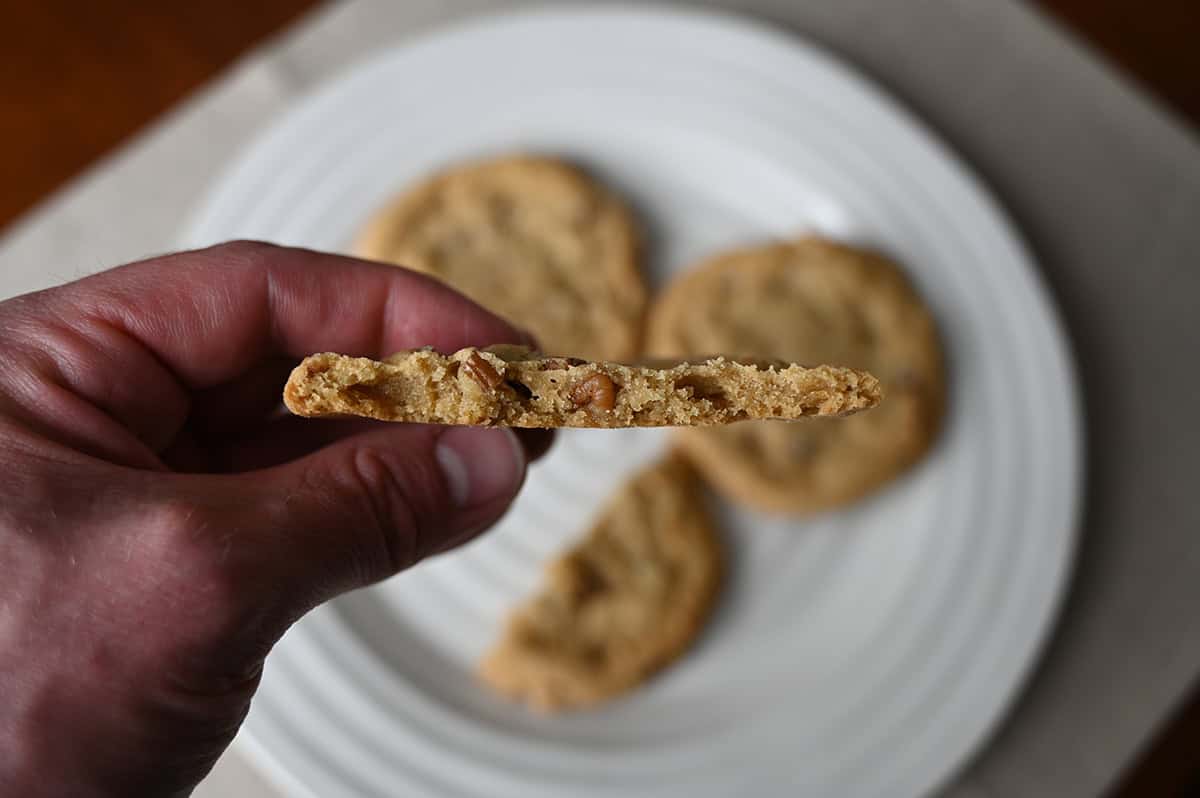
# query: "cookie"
[[620, 605], [516, 387], [808, 301], [532, 239]]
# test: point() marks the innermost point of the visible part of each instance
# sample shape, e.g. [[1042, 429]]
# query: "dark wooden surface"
[[77, 77], [1155, 41]]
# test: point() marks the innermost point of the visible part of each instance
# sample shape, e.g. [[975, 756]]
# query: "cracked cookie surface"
[[533, 239], [514, 386], [811, 301], [624, 602]]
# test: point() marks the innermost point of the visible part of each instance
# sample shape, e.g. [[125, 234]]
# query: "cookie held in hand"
[[516, 387]]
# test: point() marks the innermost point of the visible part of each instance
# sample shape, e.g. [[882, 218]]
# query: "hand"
[[161, 523]]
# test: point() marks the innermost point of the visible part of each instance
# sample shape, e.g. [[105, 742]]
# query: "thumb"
[[362, 509]]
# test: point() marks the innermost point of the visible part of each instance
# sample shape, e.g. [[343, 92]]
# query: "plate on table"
[[865, 652]]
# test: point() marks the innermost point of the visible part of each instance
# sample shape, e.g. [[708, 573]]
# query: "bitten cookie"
[[530, 238], [622, 604], [516, 387], [809, 301]]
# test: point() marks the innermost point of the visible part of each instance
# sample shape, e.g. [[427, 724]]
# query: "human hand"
[[161, 524]]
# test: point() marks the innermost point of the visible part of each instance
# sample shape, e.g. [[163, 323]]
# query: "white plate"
[[860, 653]]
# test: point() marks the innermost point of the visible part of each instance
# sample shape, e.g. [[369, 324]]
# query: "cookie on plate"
[[624, 602], [808, 301], [514, 386], [530, 238]]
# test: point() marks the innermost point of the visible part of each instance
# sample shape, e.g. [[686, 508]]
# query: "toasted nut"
[[482, 372], [596, 392]]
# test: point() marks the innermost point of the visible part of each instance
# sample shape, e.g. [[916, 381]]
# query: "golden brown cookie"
[[530, 238], [622, 604], [517, 387], [809, 301]]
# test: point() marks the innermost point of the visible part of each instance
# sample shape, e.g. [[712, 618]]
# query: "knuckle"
[[401, 495], [242, 255], [244, 249], [174, 526], [194, 556], [202, 590]]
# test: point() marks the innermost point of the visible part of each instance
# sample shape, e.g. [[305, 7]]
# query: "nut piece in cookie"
[[597, 393], [626, 601], [482, 372]]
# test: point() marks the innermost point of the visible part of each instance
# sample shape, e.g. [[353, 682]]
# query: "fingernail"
[[480, 466]]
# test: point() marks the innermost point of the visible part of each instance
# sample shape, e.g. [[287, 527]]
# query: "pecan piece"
[[597, 392], [482, 372]]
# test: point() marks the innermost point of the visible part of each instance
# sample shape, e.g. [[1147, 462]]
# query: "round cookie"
[[809, 301], [530, 238], [625, 601]]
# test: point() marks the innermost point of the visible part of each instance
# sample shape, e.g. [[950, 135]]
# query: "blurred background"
[[80, 78]]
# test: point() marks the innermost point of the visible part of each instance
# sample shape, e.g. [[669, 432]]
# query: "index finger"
[[210, 315]]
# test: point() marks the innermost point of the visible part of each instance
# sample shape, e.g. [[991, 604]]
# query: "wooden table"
[[78, 77]]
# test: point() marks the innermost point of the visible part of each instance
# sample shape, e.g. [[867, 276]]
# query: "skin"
[[162, 522]]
